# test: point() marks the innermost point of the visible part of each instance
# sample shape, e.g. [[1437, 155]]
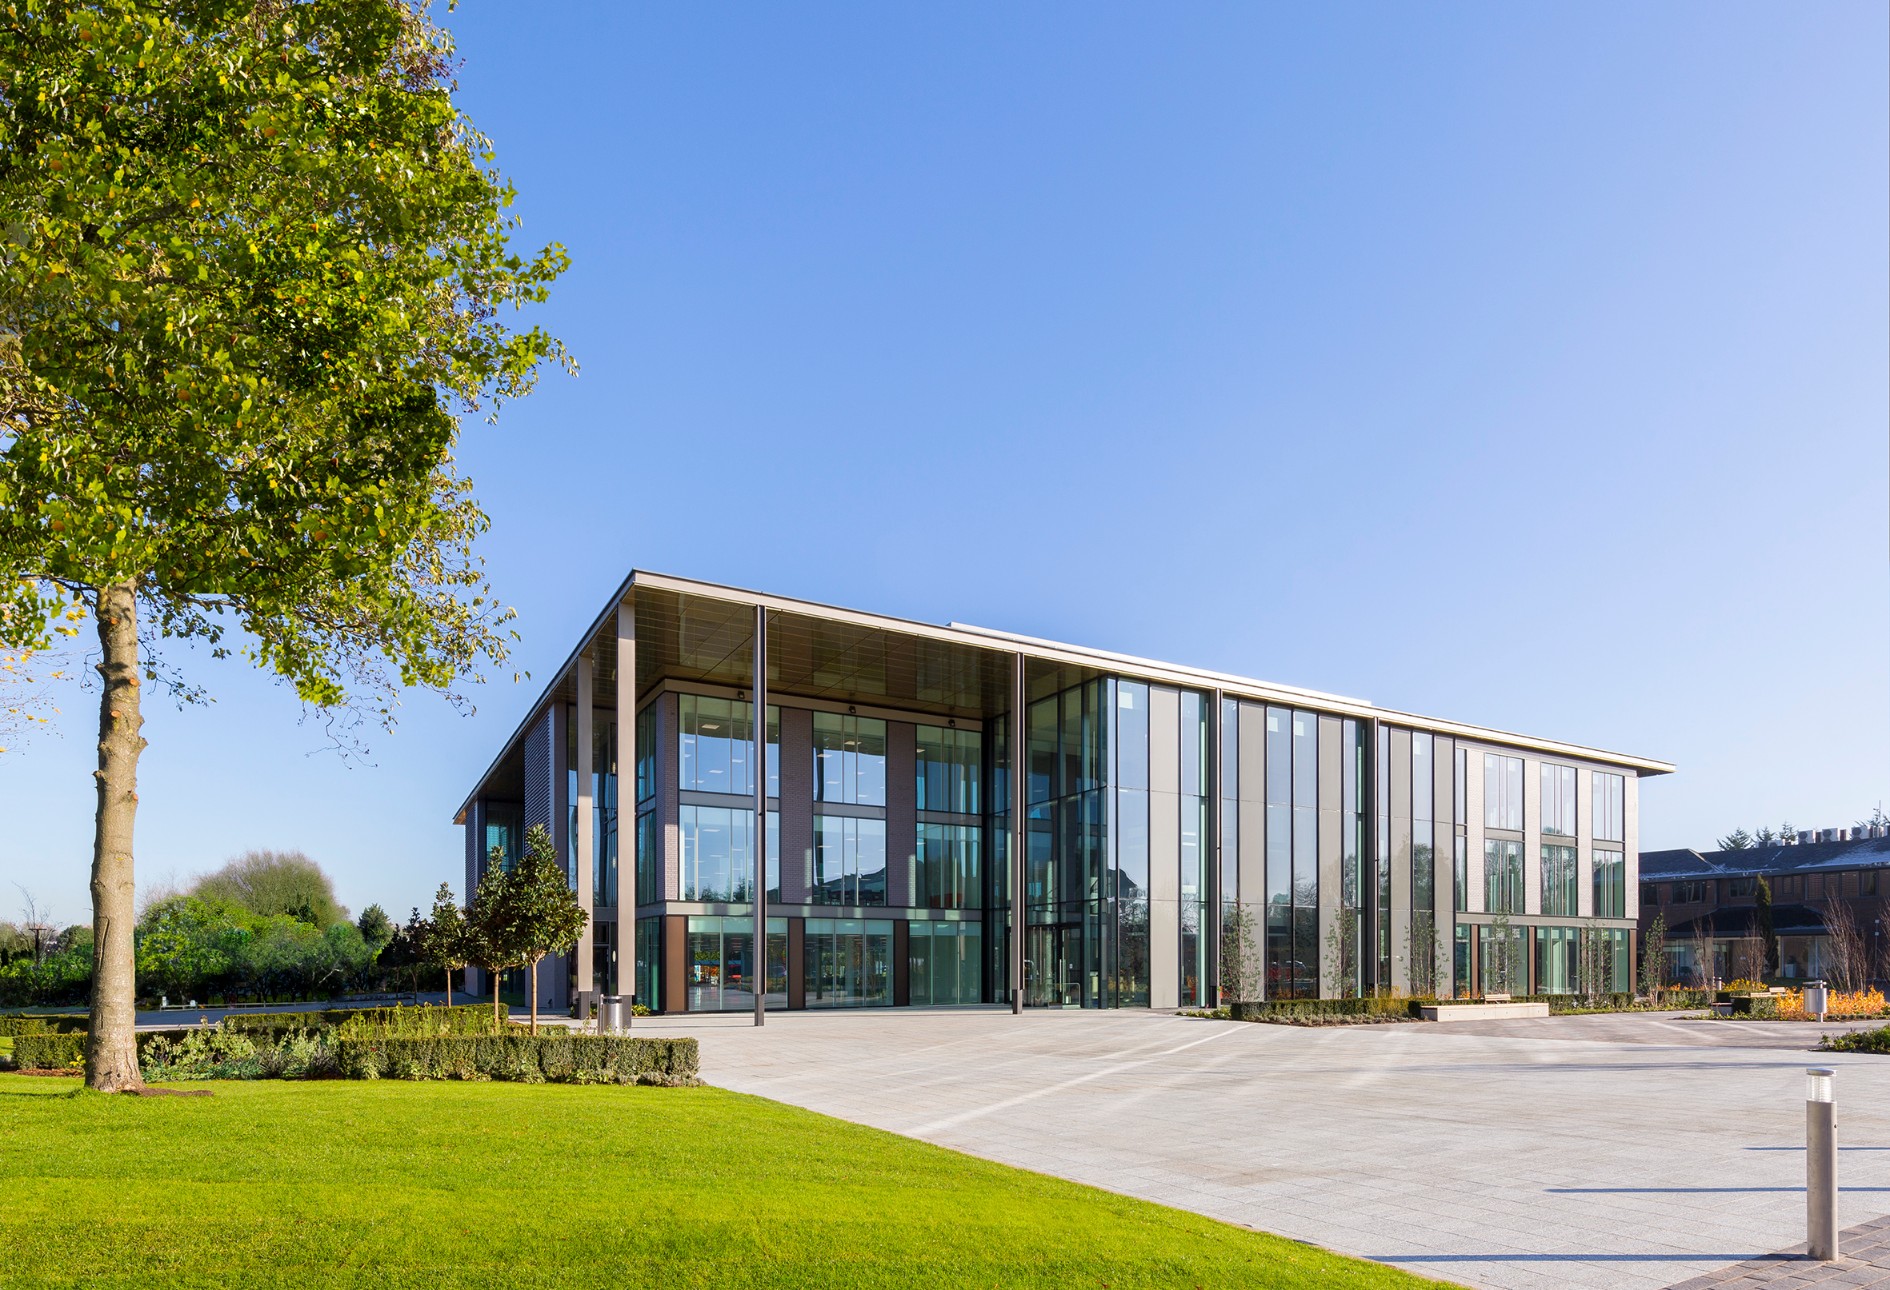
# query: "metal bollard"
[[1821, 1231]]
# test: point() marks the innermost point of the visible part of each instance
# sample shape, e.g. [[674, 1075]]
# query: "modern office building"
[[1821, 881], [1182, 830]]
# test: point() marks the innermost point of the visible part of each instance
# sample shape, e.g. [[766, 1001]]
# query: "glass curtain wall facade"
[[1332, 854]]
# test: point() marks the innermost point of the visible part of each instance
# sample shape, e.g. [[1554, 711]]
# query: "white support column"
[[627, 806], [758, 767], [584, 840]]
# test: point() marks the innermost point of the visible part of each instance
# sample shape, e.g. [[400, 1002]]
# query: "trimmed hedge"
[[427, 1020], [558, 1059], [1294, 1009], [44, 1052], [64, 1023], [52, 1052]]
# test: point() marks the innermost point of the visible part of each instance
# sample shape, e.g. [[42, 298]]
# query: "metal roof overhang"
[[702, 631]]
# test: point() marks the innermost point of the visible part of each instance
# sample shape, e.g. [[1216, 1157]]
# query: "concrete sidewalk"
[[1545, 1160]]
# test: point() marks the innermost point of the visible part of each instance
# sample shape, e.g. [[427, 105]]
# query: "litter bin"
[[1817, 999], [610, 1015]]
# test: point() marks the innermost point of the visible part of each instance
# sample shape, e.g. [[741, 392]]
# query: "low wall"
[[1481, 1011]]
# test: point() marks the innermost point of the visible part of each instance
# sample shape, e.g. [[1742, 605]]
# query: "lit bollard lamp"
[[1821, 1231]]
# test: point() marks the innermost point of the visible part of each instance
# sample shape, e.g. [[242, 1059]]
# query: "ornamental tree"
[[445, 941], [542, 914], [254, 267]]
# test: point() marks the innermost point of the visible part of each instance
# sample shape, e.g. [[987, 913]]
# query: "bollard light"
[[1821, 1233]]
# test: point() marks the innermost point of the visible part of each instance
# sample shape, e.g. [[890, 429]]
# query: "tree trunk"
[[449, 987], [534, 996], [111, 1045], [495, 998]]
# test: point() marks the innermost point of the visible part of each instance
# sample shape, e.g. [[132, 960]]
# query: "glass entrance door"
[[1053, 958]]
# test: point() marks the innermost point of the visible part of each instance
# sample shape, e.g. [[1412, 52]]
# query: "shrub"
[[1862, 1041], [1314, 1011], [53, 1024], [564, 1059], [1838, 1003], [49, 1052], [427, 1020]]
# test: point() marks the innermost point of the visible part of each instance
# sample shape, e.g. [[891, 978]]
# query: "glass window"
[[849, 861], [1558, 801], [849, 759], [1279, 758], [1609, 795], [1502, 792], [1558, 960], [1040, 746], [1461, 869], [944, 963], [649, 951], [950, 765], [649, 860], [1306, 760], [1504, 952], [1423, 779], [721, 963], [646, 754], [1502, 876], [1559, 881], [719, 854], [1131, 734], [945, 871], [1610, 884], [1741, 888], [847, 962], [1462, 778], [715, 746]]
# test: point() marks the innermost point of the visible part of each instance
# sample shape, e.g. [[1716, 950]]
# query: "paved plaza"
[[1628, 1151]]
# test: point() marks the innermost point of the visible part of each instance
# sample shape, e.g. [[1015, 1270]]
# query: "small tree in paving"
[[445, 939], [491, 932], [545, 915], [1654, 958]]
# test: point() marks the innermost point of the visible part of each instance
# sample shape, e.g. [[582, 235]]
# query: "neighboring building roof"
[[1787, 920], [1750, 862]]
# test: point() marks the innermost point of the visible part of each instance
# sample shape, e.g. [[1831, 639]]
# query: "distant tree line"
[[1741, 840]]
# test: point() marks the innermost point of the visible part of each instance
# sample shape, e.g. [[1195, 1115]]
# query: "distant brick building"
[[1709, 900]]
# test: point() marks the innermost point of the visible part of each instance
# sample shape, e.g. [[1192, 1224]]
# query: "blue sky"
[[1524, 365]]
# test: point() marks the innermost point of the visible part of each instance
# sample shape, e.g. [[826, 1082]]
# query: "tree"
[[492, 934], [376, 928], [1786, 832], [1848, 953], [545, 915], [276, 882], [1737, 840], [1765, 837], [257, 265], [1762, 918], [446, 940], [402, 957], [1654, 958]]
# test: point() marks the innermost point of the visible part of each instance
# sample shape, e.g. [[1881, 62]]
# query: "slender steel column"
[[1216, 899], [1020, 835], [759, 764], [627, 780], [584, 842]]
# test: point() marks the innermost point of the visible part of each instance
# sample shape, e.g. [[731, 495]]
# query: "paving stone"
[[1567, 1152]]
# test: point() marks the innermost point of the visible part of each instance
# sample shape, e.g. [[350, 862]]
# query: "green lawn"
[[391, 1184]]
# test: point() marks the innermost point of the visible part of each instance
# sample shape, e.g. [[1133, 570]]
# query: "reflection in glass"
[[847, 962], [1558, 880], [849, 759], [849, 861]]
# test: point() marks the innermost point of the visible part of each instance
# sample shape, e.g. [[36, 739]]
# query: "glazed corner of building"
[[1342, 843]]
